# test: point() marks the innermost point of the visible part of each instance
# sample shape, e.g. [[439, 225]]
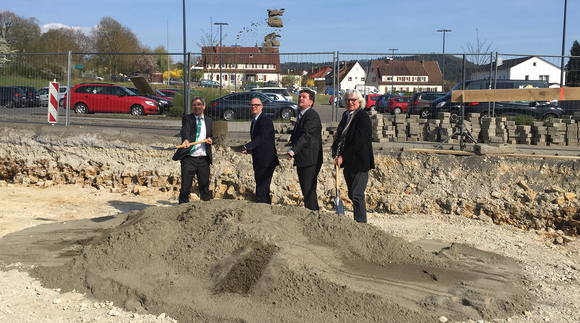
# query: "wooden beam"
[[545, 94]]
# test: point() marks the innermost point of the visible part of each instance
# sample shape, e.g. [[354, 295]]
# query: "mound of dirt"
[[236, 261]]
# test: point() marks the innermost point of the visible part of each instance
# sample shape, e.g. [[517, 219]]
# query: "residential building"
[[349, 75], [409, 76], [240, 65], [532, 68]]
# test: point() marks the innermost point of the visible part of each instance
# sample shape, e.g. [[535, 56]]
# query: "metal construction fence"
[[216, 74]]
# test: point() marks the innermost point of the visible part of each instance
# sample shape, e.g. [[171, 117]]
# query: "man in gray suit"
[[307, 148], [195, 159]]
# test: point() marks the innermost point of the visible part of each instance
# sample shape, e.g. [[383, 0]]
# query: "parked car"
[[175, 81], [536, 109], [420, 101], [339, 98], [371, 101], [32, 98], [12, 97], [271, 84], [109, 98], [163, 103], [250, 86], [43, 94], [383, 100], [300, 88], [397, 105], [330, 91], [208, 83], [236, 106], [279, 90], [276, 96]]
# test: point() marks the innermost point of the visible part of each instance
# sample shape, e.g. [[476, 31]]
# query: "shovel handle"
[[337, 171], [192, 143]]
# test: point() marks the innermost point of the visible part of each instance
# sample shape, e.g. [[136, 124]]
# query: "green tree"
[[109, 37], [479, 53], [62, 40], [573, 66], [20, 33]]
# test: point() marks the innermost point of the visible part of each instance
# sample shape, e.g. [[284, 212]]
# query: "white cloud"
[[56, 25]]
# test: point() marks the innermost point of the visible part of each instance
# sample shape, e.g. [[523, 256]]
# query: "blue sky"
[[510, 26]]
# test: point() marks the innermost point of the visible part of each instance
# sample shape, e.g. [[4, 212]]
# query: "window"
[[534, 63], [362, 79], [527, 78], [271, 66], [350, 78], [260, 66], [545, 78]]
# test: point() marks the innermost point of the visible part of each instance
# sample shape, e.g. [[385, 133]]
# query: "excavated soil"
[[231, 260]]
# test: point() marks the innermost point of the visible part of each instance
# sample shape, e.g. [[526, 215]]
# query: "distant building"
[[240, 64], [409, 76], [349, 75], [531, 68]]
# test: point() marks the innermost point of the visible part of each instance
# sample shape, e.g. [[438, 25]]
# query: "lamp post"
[[443, 71], [185, 67], [393, 75], [563, 45], [167, 52], [220, 24]]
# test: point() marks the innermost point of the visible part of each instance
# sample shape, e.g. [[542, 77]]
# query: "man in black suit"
[[195, 159], [307, 148], [263, 150], [353, 150]]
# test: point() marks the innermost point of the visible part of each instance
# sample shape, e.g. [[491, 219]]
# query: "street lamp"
[[563, 46], [393, 75], [220, 24], [443, 71]]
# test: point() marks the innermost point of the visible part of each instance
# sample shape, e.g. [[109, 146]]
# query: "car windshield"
[[126, 91]]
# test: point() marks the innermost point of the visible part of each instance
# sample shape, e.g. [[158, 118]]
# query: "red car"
[[398, 105], [109, 98], [371, 100], [169, 94]]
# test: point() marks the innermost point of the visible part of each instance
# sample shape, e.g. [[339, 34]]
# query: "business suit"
[[307, 148], [358, 158], [191, 165], [264, 159]]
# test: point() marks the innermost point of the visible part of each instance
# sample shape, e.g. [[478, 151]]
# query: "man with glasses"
[[195, 159], [263, 150], [307, 148], [353, 150]]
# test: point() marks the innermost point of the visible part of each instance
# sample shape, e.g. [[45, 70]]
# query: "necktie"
[[298, 121], [199, 120], [252, 127]]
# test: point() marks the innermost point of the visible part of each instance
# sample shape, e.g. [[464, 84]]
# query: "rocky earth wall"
[[532, 194]]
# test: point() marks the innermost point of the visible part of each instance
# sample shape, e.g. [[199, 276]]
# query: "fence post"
[[68, 76]]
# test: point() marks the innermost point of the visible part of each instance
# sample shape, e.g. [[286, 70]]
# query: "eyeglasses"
[[351, 100], [254, 105]]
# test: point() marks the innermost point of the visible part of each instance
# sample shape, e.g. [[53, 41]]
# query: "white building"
[[531, 68]]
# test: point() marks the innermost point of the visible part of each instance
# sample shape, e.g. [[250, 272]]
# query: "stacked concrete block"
[[377, 124], [433, 127], [539, 134], [445, 127], [389, 130], [473, 118], [571, 131], [401, 127], [487, 129], [556, 132], [415, 129], [512, 132], [524, 135]]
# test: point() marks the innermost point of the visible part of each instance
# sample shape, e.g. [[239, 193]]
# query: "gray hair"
[[200, 98], [357, 95]]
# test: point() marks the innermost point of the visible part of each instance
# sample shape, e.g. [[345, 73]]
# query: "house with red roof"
[[405, 76]]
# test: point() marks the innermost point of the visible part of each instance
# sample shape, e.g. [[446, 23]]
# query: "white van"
[[365, 89], [44, 95]]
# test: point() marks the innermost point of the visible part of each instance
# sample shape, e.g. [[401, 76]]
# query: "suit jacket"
[[307, 140], [189, 131], [357, 154], [263, 145]]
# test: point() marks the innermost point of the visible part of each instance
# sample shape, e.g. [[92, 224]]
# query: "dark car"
[[236, 106], [208, 83], [537, 109], [420, 101], [164, 103], [371, 101], [32, 98], [330, 91], [398, 105], [383, 100], [109, 98], [12, 97]]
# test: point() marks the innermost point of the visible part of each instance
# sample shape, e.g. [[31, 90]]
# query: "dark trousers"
[[308, 177], [263, 177], [191, 166], [357, 184]]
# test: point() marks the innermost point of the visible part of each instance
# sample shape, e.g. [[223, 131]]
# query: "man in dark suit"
[[197, 158], [307, 148], [263, 150], [353, 149]]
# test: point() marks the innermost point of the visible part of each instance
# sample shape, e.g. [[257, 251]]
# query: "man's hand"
[[291, 154], [338, 161], [185, 143], [208, 141]]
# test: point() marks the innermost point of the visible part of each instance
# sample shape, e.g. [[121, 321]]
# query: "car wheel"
[[286, 113], [550, 116], [137, 110], [424, 114], [454, 117], [372, 108], [60, 103], [397, 110], [81, 108], [229, 115]]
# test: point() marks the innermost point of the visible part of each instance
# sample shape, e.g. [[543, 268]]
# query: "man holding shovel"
[[263, 150], [195, 159], [353, 150]]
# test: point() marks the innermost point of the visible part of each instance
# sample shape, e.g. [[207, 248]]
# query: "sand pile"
[[236, 261]]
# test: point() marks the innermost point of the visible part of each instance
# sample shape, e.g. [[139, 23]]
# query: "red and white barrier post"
[[53, 102]]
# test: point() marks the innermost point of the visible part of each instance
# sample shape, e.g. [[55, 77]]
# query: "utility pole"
[[220, 24], [393, 72], [443, 71]]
